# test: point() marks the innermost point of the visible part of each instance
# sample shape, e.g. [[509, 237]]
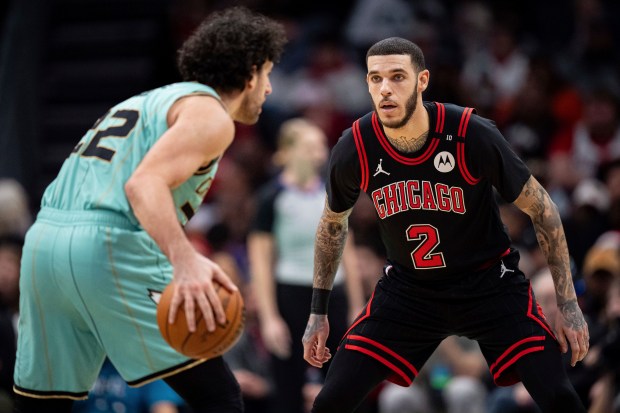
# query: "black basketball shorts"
[[405, 319]]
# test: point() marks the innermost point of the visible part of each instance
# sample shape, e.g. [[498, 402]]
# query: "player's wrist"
[[320, 301]]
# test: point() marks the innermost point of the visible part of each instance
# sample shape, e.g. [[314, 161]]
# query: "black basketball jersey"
[[436, 207]]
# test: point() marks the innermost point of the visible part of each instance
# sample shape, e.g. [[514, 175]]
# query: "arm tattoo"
[[331, 235], [552, 241]]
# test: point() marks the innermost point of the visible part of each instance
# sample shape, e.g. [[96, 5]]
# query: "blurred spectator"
[[10, 257], [577, 153], [600, 267], [281, 252], [588, 219], [111, 394], [452, 381], [330, 90], [15, 216], [492, 77], [605, 393], [249, 360], [373, 20]]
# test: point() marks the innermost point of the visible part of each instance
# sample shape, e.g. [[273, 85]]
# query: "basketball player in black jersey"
[[432, 171]]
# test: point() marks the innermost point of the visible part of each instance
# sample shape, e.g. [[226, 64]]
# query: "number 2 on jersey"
[[94, 149], [423, 256]]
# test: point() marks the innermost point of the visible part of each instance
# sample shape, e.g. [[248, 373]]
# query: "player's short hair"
[[225, 48], [398, 45]]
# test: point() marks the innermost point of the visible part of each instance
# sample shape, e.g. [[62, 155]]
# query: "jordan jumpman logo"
[[504, 270], [380, 169]]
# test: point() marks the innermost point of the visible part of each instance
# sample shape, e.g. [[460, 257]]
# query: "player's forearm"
[[537, 203], [552, 241], [152, 203], [331, 236]]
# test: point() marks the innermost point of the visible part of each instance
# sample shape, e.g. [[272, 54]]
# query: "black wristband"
[[320, 301]]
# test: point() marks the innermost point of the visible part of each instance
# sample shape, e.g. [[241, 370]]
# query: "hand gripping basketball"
[[202, 343]]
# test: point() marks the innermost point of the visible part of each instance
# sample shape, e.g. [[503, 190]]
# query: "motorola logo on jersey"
[[444, 162]]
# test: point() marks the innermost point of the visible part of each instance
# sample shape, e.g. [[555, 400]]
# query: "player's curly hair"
[[225, 47]]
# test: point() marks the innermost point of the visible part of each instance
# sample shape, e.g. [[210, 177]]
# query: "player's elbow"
[[132, 189]]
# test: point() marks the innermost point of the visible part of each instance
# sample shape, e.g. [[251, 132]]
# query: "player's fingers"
[[207, 312], [585, 346], [190, 317], [175, 302], [220, 276], [326, 355], [562, 342], [576, 351], [216, 304], [319, 349], [308, 352]]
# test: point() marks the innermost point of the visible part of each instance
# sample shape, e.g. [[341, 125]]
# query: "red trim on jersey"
[[361, 154], [387, 350], [493, 261], [361, 317], [464, 121], [531, 315], [460, 159], [404, 379], [460, 147], [441, 117], [392, 152], [514, 346], [515, 359]]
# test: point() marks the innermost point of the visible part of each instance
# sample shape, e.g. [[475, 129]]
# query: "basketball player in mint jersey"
[[431, 170], [109, 235]]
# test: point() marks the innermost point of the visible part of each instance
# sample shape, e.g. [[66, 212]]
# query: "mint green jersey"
[[94, 175]]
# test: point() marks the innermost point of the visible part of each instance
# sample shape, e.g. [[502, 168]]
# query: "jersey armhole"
[[460, 147], [361, 154]]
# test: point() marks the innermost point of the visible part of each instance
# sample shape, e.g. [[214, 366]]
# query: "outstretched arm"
[[569, 324], [331, 236]]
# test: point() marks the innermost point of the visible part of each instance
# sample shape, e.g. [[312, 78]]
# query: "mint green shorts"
[[89, 285]]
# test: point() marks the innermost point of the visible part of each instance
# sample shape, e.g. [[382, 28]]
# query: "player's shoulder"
[[470, 123]]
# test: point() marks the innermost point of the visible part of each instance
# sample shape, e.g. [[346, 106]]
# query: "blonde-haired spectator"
[[15, 216]]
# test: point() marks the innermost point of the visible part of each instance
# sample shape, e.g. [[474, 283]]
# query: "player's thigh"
[[120, 296], [58, 353], [351, 377]]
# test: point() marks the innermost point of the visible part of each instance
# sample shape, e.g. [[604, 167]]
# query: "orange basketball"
[[202, 343]]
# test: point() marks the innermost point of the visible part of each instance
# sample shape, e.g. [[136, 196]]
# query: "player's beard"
[[410, 107], [249, 111]]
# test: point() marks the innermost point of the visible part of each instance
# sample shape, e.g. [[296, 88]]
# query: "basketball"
[[202, 343]]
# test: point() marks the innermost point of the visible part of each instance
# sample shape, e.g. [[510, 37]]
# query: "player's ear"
[[250, 84], [423, 79]]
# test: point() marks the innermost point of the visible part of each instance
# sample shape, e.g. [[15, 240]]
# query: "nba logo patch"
[[444, 162]]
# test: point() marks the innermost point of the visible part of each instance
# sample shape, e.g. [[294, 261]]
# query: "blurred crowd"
[[548, 73]]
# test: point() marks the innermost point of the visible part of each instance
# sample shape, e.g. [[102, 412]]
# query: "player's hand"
[[314, 340], [194, 277], [276, 336], [572, 330]]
